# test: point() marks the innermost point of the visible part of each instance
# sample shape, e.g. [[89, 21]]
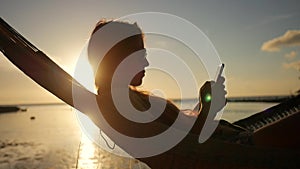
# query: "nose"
[[146, 62]]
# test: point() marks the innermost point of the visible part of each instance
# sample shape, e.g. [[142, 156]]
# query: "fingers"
[[221, 79], [218, 87], [220, 82], [213, 93]]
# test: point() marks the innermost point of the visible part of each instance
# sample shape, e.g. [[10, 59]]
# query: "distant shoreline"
[[33, 104], [273, 99], [9, 109], [270, 99]]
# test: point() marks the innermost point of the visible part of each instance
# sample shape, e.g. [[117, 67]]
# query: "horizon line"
[[230, 99]]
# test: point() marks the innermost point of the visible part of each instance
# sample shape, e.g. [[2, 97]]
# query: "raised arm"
[[35, 64]]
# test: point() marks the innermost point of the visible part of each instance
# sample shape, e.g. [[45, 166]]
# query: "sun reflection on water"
[[88, 157], [91, 156]]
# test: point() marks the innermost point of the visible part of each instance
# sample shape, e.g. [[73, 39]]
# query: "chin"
[[136, 82]]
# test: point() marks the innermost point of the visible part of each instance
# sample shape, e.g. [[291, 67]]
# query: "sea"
[[49, 136]]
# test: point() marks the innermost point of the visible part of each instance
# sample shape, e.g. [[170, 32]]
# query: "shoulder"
[[150, 99]]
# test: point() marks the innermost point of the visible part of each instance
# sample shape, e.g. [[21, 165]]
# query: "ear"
[[135, 24]]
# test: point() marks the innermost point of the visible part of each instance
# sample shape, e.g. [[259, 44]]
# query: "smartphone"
[[219, 71]]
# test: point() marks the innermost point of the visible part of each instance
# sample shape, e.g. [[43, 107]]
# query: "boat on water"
[[222, 150]]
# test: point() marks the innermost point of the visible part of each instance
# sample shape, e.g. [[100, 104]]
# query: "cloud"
[[290, 38], [292, 65], [291, 55]]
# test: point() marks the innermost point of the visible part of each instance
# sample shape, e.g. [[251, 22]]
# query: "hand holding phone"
[[206, 90]]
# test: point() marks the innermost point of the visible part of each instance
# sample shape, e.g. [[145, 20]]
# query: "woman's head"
[[113, 45], [110, 44]]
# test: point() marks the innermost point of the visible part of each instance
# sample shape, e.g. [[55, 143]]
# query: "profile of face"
[[138, 62], [134, 61], [125, 62]]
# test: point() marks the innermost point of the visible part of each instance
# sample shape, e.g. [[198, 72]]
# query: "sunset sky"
[[259, 40]]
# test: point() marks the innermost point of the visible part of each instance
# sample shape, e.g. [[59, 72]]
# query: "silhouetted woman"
[[130, 53], [121, 67]]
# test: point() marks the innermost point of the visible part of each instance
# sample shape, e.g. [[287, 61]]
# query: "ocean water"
[[48, 136]]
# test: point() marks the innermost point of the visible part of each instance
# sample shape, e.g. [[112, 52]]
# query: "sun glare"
[[87, 157]]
